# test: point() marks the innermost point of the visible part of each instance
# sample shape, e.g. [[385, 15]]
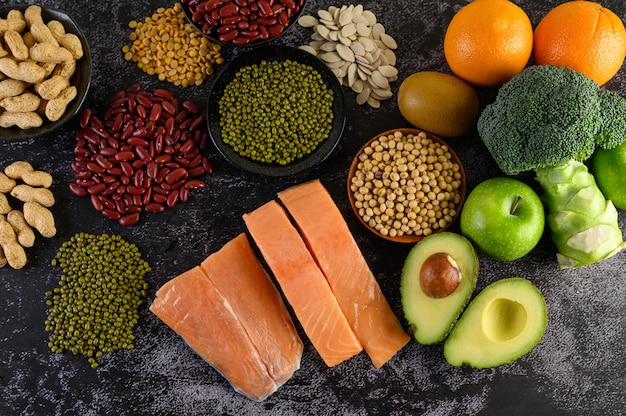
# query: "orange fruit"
[[488, 42], [583, 36]]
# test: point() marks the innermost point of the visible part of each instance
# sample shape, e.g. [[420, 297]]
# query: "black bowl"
[[213, 36], [269, 53], [81, 78]]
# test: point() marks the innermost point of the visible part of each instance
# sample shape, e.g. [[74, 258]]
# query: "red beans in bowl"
[[242, 22], [145, 155]]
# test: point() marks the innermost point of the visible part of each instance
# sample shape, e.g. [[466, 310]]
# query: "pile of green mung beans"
[[95, 306], [276, 111]]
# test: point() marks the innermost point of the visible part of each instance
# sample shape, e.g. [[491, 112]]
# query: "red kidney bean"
[[96, 203], [196, 123], [108, 151], [135, 190], [283, 19], [124, 156], [85, 183], [208, 166], [188, 146], [156, 111], [85, 117], [159, 190], [191, 106], [183, 194], [265, 9], [117, 123], [111, 214], [147, 195], [77, 189], [228, 36], [103, 162], [129, 219], [96, 188], [90, 136], [136, 159], [111, 188], [163, 93], [121, 206], [138, 178], [266, 21], [136, 140], [154, 207], [127, 168], [141, 111], [137, 164], [106, 201], [172, 198], [152, 169], [168, 107], [175, 175], [195, 184], [226, 28], [196, 171], [143, 154]]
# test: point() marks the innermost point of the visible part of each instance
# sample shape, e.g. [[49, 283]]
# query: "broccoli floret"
[[613, 120], [546, 116]]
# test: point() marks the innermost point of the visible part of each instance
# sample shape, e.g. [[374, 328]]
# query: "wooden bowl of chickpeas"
[[405, 184]]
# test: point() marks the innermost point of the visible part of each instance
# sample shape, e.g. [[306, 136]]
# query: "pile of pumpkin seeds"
[[94, 308], [356, 47]]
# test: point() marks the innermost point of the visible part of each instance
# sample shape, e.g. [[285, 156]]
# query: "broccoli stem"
[[584, 225]]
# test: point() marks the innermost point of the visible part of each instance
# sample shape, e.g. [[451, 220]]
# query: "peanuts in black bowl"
[[59, 78]]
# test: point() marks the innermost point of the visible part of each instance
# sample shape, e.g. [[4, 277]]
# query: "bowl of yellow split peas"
[[405, 184]]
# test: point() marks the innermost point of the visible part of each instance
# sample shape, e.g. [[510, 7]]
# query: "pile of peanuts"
[[145, 155], [29, 187], [406, 185], [167, 46], [36, 69]]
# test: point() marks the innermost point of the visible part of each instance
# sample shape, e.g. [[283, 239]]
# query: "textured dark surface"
[[577, 369]]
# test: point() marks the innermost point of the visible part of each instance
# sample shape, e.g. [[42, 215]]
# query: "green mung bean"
[[276, 111], [95, 307]]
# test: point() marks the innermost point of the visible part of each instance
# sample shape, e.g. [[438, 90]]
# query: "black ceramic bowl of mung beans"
[[304, 110], [242, 22], [80, 78], [415, 187]]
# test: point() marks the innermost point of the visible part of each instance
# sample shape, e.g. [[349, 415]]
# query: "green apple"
[[503, 217], [609, 169]]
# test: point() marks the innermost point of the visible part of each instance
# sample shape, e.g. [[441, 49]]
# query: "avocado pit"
[[440, 275]]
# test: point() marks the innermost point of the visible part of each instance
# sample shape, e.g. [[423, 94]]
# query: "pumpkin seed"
[[356, 48], [307, 21]]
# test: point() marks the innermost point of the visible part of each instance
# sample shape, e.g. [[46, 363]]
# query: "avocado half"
[[502, 323], [431, 316]]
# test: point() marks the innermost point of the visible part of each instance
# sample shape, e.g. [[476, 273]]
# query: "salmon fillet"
[[302, 283], [329, 239], [215, 320], [235, 270]]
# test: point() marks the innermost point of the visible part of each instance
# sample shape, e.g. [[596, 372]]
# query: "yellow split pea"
[[167, 46], [406, 185]]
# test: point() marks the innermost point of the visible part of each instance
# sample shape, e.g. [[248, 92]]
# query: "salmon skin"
[[336, 252], [302, 283], [229, 312]]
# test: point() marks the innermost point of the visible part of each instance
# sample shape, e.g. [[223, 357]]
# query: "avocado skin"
[[432, 319], [469, 343]]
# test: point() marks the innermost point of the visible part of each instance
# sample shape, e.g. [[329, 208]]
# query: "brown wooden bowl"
[[409, 237]]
